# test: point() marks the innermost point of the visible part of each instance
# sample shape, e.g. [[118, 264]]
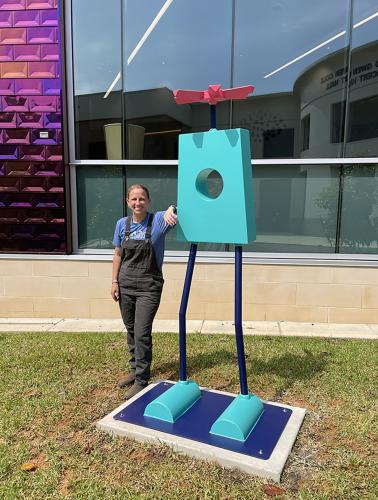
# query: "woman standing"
[[137, 281]]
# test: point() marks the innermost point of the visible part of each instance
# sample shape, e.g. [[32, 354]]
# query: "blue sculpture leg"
[[238, 322], [183, 308], [180, 397], [240, 417]]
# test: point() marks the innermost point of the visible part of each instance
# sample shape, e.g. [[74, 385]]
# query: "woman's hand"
[[170, 217], [114, 292]]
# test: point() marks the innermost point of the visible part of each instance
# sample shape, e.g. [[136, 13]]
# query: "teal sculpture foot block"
[[228, 217], [239, 418], [173, 403]]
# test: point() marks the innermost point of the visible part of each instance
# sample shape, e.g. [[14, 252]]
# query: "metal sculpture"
[[228, 153]]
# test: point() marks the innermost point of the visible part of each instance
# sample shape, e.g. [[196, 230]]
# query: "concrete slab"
[[262, 328], [293, 329], [347, 328], [88, 325], [20, 321], [272, 328], [172, 325], [327, 330], [269, 469], [373, 328], [24, 327], [223, 327]]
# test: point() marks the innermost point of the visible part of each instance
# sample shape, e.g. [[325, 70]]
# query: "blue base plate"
[[195, 424]]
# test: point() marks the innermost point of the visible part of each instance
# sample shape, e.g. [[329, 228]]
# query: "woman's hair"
[[138, 186]]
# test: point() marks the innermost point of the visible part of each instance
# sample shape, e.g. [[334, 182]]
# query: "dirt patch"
[[142, 455], [34, 393], [326, 436], [364, 448], [220, 384], [337, 402], [88, 406], [63, 486], [295, 479], [166, 375], [41, 461], [301, 403]]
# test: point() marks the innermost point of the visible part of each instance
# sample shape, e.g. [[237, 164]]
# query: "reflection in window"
[[305, 133], [286, 58], [278, 143], [363, 85], [296, 208], [337, 121], [125, 109], [359, 217], [166, 50], [96, 40], [100, 200], [363, 124], [363, 119]]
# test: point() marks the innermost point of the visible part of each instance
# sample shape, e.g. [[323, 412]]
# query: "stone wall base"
[[81, 289]]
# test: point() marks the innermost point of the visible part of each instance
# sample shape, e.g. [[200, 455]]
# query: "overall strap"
[[127, 229], [149, 227]]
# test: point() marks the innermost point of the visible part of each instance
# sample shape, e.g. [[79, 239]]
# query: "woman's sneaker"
[[127, 379], [134, 389]]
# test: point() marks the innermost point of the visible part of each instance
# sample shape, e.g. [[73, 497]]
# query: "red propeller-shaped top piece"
[[212, 95]]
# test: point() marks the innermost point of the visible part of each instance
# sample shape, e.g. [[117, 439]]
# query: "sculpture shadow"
[[195, 363], [288, 367]]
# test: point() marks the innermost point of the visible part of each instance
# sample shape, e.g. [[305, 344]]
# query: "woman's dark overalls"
[[140, 285]]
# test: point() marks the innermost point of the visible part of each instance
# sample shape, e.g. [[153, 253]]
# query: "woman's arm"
[[170, 216], [114, 292]]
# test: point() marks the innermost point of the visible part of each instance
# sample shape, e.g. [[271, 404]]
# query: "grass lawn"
[[54, 387]]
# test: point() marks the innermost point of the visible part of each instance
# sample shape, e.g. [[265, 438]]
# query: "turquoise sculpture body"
[[230, 217]]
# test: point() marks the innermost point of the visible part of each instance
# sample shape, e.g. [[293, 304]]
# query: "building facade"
[[87, 109]]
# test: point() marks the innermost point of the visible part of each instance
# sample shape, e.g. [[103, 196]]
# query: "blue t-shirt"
[[138, 232]]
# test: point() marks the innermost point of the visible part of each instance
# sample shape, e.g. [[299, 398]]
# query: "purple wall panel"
[[27, 52], [15, 103], [12, 4], [32, 213], [5, 19], [13, 35], [26, 18]]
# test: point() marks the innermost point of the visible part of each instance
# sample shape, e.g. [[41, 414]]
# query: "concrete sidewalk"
[[272, 328]]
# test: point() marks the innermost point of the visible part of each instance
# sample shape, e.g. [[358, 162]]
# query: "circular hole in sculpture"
[[209, 183]]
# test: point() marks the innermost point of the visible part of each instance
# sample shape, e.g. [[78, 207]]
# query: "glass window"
[[296, 55], [292, 51], [296, 208], [96, 39], [363, 95], [100, 203], [359, 215], [129, 55], [186, 46]]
